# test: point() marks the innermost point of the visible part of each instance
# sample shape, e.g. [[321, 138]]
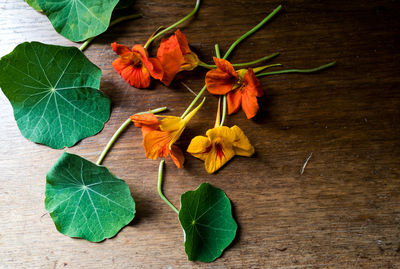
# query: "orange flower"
[[175, 55], [135, 66], [221, 144], [242, 87], [159, 136]]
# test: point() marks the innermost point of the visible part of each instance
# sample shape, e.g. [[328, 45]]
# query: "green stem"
[[223, 110], [265, 20], [114, 22], [297, 70], [217, 52], [86, 43], [263, 59], [119, 131], [208, 66], [194, 101], [221, 123], [160, 176], [173, 25], [212, 66]]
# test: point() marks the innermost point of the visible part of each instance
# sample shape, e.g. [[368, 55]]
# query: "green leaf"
[[85, 200], [124, 4], [78, 20], [54, 93], [206, 219], [34, 5]]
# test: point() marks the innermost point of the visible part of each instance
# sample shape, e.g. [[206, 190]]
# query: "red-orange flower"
[[135, 66], [242, 87], [175, 55]]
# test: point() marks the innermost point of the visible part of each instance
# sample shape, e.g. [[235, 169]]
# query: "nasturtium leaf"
[[207, 222], [34, 4], [85, 200], [78, 20], [54, 93], [124, 4]]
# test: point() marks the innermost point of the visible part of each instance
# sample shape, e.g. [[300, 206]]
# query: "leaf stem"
[[114, 22], [212, 66], [119, 131], [316, 69], [265, 20], [159, 187], [173, 25]]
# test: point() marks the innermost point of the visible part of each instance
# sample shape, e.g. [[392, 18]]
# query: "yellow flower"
[[220, 145], [159, 136]]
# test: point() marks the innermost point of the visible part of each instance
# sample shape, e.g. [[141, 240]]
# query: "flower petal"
[[199, 147], [148, 119], [148, 122], [174, 126], [217, 157], [152, 64], [221, 132], [182, 41], [156, 70], [221, 80], [249, 104], [120, 64], [225, 66], [177, 156], [242, 145], [253, 86], [137, 77], [121, 50], [234, 100], [156, 144], [171, 59]]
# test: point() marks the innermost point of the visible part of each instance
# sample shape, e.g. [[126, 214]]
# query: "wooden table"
[[342, 212]]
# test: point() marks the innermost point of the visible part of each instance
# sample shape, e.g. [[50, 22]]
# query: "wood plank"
[[342, 212]]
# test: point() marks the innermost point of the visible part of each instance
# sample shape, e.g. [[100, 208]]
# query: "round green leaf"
[[34, 4], [206, 219], [78, 20], [54, 93], [85, 200]]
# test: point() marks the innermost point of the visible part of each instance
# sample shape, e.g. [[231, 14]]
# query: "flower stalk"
[[312, 70], [258, 26], [159, 187], [263, 59], [173, 25], [120, 130]]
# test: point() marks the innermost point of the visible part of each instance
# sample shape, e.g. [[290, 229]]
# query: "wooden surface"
[[343, 212]]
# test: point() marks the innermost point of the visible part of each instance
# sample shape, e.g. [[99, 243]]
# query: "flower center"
[[219, 150], [137, 63], [136, 60], [240, 84]]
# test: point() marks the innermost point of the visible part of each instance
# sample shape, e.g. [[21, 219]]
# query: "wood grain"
[[342, 212]]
